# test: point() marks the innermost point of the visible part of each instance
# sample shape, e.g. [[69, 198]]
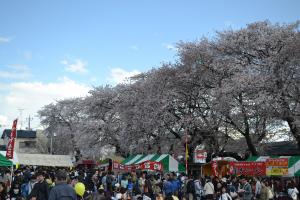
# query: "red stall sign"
[[248, 168]]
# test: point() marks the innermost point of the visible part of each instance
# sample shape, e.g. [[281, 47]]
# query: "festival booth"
[[157, 162], [45, 160], [217, 167], [86, 163], [107, 163], [287, 166]]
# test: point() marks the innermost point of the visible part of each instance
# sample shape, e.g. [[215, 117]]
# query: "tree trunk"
[[250, 145], [295, 130], [247, 128]]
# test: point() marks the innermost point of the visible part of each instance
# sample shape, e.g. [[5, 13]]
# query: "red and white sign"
[[11, 142], [248, 168], [147, 165], [200, 156]]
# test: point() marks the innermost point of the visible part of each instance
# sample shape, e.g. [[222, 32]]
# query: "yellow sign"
[[277, 171]]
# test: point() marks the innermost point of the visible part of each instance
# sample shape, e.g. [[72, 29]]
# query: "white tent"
[[45, 160]]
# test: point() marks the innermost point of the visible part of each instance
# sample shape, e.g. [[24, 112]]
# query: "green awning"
[[4, 162], [169, 163]]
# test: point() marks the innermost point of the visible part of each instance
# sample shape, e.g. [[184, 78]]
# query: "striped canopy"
[[169, 163], [294, 162]]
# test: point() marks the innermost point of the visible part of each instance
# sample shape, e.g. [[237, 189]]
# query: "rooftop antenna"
[[29, 120], [21, 119]]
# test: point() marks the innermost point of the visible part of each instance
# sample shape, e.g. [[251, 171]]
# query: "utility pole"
[[29, 120]]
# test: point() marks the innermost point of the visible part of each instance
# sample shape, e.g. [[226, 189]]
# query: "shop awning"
[[15, 159], [45, 160], [169, 163], [4, 162]]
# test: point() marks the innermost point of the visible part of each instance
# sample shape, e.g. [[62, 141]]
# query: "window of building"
[[27, 144]]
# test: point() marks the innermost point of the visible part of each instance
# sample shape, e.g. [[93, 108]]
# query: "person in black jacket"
[[40, 190], [62, 190]]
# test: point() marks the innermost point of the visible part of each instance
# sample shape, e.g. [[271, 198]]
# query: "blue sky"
[[56, 49]]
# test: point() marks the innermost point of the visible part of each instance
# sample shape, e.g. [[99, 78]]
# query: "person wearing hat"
[[62, 190]]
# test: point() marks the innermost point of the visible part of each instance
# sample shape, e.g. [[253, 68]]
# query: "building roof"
[[285, 148], [20, 133]]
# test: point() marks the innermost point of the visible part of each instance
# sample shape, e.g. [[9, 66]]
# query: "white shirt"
[[225, 196], [209, 188]]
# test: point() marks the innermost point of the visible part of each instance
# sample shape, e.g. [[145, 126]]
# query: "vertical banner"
[[214, 168], [11, 142], [277, 166]]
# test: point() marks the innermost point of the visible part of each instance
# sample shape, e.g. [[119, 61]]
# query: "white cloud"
[[32, 96], [3, 120], [28, 55], [78, 66], [19, 67], [119, 75], [169, 46], [93, 79], [134, 47], [5, 39], [16, 71]]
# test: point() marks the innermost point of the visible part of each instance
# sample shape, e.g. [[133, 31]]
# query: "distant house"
[[27, 141]]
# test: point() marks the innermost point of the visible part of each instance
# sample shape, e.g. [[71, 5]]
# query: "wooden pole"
[[186, 153]]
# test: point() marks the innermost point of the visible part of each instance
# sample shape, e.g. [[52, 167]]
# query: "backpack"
[[109, 180], [190, 187]]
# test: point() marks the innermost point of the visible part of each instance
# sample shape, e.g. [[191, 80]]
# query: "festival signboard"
[[277, 166], [150, 165], [147, 165], [200, 156], [248, 168]]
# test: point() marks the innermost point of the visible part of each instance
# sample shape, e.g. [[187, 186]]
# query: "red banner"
[[248, 168], [150, 165], [11, 142], [147, 165]]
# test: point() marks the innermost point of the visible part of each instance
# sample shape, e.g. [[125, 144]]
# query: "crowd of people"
[[66, 184]]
